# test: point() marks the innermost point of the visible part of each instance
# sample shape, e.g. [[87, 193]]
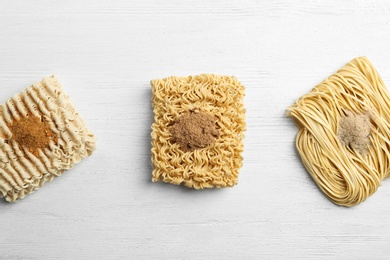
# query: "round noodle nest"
[[345, 175]]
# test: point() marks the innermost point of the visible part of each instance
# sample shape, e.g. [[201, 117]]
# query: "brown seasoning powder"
[[194, 131], [354, 131], [32, 133]]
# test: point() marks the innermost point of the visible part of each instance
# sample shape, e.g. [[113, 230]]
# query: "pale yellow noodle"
[[214, 166], [21, 172], [346, 176]]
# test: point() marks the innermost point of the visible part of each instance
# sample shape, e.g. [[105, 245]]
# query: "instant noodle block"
[[344, 137], [41, 136], [197, 134]]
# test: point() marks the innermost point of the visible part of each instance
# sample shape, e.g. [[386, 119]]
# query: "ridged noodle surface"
[[216, 165], [21, 172], [345, 175]]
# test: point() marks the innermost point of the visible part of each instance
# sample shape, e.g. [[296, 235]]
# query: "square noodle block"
[[23, 171], [216, 165]]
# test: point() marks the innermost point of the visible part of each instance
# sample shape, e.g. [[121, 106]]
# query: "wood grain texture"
[[106, 52]]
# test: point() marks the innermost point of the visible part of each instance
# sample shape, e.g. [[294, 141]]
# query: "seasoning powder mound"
[[354, 131], [33, 133], [194, 131]]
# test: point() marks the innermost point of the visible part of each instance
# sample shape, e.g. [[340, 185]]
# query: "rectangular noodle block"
[[21, 171], [216, 165]]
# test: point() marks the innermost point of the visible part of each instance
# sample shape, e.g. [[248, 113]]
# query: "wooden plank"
[[106, 52]]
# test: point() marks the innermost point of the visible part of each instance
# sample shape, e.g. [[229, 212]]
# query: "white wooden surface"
[[106, 52]]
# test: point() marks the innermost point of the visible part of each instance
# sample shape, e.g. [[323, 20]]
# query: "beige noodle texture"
[[21, 171], [344, 133], [217, 164]]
